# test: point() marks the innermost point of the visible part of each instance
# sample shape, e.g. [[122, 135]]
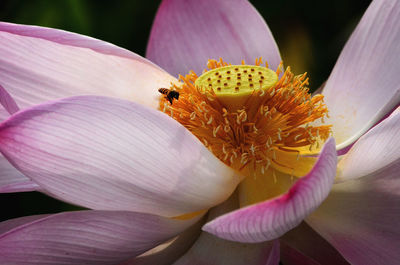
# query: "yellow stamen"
[[249, 119]]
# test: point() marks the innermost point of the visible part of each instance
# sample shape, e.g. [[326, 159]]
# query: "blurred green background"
[[310, 35]]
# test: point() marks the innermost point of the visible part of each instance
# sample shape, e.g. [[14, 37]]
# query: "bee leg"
[[169, 99]]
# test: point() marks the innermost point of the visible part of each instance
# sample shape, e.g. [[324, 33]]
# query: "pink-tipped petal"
[[302, 246], [7, 101], [39, 64], [361, 217], [11, 180], [186, 34], [270, 219], [87, 237], [375, 150], [112, 154], [209, 249], [365, 83]]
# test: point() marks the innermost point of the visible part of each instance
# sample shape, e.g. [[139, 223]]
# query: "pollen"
[[252, 118]]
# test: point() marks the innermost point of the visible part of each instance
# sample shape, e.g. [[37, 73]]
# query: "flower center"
[[234, 84], [249, 119]]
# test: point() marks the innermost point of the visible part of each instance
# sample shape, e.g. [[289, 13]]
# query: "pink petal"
[[375, 150], [170, 251], [40, 64], [87, 237], [364, 84], [271, 219], [11, 180], [303, 246], [111, 154], [186, 34], [361, 217], [13, 223], [68, 38], [7, 101], [209, 249], [22, 186]]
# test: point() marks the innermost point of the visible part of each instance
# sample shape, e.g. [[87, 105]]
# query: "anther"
[[210, 120], [215, 130], [268, 164], [252, 149], [227, 128], [226, 157], [234, 153], [272, 92], [223, 149], [243, 116]]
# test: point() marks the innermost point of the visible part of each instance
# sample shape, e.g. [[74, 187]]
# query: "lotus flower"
[[82, 123]]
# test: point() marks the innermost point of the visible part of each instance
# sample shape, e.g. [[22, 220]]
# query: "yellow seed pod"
[[233, 84]]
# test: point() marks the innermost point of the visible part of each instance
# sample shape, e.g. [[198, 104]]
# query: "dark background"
[[310, 35]]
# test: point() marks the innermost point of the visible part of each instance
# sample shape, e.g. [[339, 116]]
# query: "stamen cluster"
[[270, 120]]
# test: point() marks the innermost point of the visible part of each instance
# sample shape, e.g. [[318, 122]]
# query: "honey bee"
[[170, 95]]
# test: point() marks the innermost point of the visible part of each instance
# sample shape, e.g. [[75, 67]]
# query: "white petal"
[[365, 83], [111, 154], [361, 217], [375, 150]]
